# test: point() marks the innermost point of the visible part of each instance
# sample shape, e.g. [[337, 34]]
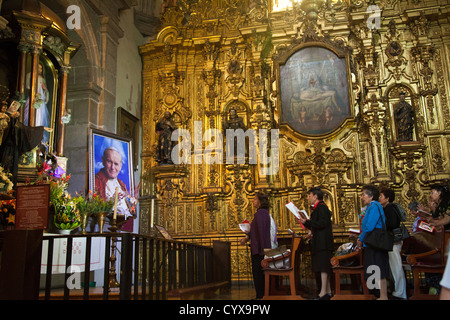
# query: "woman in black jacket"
[[392, 214], [321, 240]]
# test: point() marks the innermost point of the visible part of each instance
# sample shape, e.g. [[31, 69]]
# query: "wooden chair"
[[432, 261], [289, 271], [356, 269]]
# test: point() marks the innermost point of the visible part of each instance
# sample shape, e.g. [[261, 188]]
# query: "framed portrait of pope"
[[111, 167]]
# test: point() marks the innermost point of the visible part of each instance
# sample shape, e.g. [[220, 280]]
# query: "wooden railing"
[[147, 267]]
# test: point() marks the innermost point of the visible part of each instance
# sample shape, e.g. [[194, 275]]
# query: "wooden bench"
[[289, 272], [431, 261], [198, 292], [356, 269]]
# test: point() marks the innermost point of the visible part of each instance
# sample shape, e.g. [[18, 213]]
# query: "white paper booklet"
[[245, 226], [297, 213]]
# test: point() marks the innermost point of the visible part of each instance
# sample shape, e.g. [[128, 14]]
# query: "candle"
[[115, 203], [152, 213]]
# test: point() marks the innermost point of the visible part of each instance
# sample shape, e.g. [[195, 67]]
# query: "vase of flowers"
[[100, 208], [67, 216], [84, 208]]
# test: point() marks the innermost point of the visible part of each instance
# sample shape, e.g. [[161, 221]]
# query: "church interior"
[[331, 93]]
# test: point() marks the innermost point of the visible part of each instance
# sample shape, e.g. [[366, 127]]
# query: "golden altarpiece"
[[35, 63], [212, 56]]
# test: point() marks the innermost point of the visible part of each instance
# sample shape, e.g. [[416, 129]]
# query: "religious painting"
[[314, 91], [127, 126], [111, 167]]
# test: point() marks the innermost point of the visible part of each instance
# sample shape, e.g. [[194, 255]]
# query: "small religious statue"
[[404, 117], [234, 122], [4, 119], [17, 139], [164, 127]]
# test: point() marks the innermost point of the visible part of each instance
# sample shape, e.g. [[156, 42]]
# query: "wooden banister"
[[335, 261], [412, 258]]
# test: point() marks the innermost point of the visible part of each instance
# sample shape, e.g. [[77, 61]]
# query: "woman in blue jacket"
[[374, 218]]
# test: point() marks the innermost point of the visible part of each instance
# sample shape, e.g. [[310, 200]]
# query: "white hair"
[[111, 148]]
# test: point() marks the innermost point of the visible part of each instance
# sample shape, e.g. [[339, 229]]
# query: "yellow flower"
[[11, 218]]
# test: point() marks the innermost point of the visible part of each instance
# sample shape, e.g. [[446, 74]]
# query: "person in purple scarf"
[[260, 239]]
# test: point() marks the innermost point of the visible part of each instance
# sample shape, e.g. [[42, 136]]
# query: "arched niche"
[[393, 98], [35, 58]]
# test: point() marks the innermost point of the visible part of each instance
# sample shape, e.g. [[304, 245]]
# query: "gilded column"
[[62, 110]]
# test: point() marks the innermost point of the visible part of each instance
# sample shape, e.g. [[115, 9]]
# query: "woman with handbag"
[[261, 238], [376, 254], [393, 223], [321, 240]]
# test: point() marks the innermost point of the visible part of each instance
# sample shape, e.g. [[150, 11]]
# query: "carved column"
[[30, 41]]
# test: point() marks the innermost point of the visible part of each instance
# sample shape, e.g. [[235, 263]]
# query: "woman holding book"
[[321, 240], [440, 195], [261, 236]]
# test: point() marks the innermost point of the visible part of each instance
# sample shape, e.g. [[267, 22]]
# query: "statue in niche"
[[17, 138], [164, 127], [234, 122], [404, 117]]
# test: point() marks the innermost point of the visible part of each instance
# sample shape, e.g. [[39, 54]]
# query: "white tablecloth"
[[78, 254]]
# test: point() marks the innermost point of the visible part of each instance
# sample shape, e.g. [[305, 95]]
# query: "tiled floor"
[[238, 292]]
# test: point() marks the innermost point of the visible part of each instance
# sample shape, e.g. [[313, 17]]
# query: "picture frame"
[[128, 127], [315, 90], [120, 149]]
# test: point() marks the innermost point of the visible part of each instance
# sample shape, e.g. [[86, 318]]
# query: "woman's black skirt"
[[320, 261], [376, 258]]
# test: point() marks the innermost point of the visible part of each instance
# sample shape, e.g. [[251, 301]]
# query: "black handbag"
[[379, 238], [401, 233]]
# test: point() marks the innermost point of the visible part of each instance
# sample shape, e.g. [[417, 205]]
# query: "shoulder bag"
[[400, 233], [379, 238]]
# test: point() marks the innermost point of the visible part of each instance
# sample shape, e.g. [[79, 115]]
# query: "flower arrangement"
[[6, 184], [67, 214], [8, 211], [7, 206], [101, 205], [93, 204]]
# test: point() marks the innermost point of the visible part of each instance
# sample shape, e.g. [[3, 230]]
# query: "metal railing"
[[149, 267], [242, 270]]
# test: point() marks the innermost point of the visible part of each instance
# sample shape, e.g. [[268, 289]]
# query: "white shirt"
[[110, 192]]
